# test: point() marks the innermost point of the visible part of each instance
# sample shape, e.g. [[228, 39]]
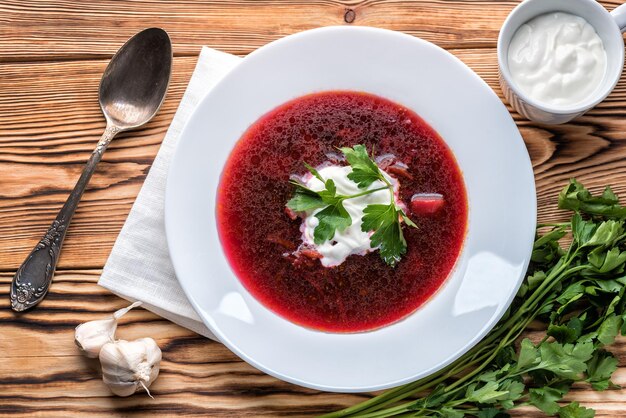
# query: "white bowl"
[[470, 118]]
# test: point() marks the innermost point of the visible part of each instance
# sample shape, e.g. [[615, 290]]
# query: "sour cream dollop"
[[351, 240], [557, 59]]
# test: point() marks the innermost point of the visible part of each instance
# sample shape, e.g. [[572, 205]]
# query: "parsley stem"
[[366, 192], [387, 182], [553, 224], [389, 186]]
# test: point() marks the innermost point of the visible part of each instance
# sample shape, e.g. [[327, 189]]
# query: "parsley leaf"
[[546, 248], [606, 233], [384, 220], [329, 194], [575, 197], [606, 261], [574, 410], [582, 230], [528, 355], [332, 218], [364, 169], [488, 393], [515, 390], [305, 199], [609, 329], [408, 220], [565, 360], [599, 370], [546, 398], [566, 333], [434, 399]]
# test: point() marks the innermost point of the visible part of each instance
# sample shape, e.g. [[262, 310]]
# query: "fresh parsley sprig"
[[383, 220], [333, 217], [578, 292]]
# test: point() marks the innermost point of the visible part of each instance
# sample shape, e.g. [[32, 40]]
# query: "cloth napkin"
[[139, 267]]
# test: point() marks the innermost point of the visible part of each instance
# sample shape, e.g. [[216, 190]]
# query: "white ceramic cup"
[[609, 27]]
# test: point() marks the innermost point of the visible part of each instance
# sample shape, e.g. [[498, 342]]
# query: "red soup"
[[363, 292]]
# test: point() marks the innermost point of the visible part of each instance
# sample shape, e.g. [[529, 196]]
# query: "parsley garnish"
[[332, 217], [383, 220]]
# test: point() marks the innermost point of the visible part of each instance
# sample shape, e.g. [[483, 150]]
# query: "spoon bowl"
[[127, 99]]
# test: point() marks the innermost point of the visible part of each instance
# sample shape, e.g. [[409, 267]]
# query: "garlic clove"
[[128, 366], [92, 335], [121, 388]]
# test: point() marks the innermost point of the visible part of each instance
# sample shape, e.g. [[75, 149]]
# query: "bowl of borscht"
[[350, 209]]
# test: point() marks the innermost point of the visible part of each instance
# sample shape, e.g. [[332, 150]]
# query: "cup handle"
[[619, 14]]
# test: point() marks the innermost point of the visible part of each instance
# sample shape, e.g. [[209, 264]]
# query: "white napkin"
[[139, 267]]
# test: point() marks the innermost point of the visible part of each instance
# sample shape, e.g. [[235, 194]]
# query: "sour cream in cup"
[[557, 59], [560, 58]]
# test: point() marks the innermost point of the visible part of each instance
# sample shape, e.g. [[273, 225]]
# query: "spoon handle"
[[32, 280]]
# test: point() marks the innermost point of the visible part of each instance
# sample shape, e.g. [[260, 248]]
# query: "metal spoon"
[[132, 90]]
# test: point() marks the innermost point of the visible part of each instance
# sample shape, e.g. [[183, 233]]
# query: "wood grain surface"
[[52, 54]]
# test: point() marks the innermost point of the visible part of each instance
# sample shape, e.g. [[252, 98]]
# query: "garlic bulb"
[[92, 335], [129, 365]]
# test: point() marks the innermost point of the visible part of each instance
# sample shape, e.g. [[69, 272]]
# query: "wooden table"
[[51, 57]]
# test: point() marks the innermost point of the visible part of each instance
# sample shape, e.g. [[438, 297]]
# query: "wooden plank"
[[42, 371], [67, 29], [40, 29], [51, 122]]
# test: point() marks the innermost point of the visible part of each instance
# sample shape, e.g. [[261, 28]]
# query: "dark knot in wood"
[[349, 16]]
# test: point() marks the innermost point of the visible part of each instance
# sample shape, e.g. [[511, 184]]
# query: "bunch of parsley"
[[577, 292]]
